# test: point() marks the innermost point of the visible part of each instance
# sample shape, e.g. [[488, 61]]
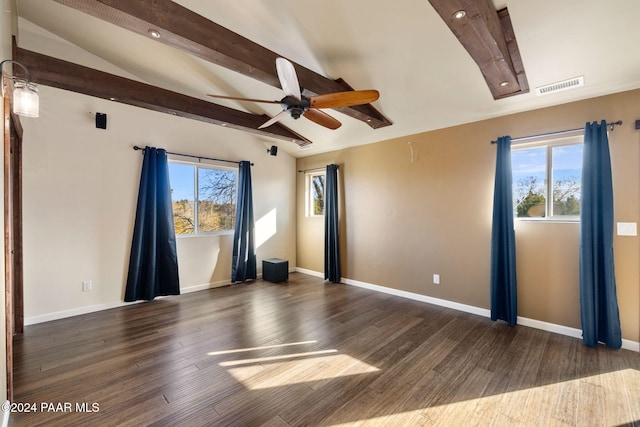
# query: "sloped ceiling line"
[[184, 29], [65, 75]]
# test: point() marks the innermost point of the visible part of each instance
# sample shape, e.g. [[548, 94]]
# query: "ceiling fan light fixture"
[[459, 14], [154, 33]]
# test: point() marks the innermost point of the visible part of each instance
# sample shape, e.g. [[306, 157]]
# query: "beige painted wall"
[[81, 186], [80, 191], [403, 221]]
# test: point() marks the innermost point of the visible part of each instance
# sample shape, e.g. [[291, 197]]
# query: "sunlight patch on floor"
[[301, 370], [571, 403], [272, 358], [264, 347]]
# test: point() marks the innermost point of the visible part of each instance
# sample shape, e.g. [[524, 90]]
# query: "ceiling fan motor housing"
[[295, 107]]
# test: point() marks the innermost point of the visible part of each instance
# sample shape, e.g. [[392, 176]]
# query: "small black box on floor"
[[275, 270]]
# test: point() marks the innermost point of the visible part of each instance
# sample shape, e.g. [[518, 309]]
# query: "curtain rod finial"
[[612, 124]]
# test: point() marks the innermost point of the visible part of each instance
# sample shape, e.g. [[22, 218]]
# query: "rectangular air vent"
[[560, 86]]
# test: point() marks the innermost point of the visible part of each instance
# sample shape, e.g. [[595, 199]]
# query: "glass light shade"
[[25, 99]]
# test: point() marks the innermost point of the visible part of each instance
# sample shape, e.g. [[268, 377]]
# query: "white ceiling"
[[403, 49]]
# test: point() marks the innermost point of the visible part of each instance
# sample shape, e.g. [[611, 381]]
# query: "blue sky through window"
[[567, 163], [182, 183]]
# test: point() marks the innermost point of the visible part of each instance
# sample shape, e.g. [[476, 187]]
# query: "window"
[[203, 198], [315, 193], [547, 179]]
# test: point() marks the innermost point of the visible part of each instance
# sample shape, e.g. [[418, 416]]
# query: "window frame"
[[196, 167], [549, 143], [309, 199]]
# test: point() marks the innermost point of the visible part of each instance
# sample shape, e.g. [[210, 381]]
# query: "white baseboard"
[[32, 320], [106, 306], [418, 297], [310, 272], [631, 345], [205, 286], [550, 327], [524, 321]]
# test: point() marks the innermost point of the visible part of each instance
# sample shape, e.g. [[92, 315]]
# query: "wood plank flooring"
[[309, 353]]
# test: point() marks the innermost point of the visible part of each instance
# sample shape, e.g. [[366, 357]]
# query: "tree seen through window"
[[216, 198], [533, 170]]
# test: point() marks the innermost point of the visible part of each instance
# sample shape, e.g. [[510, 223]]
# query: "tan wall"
[[404, 221]]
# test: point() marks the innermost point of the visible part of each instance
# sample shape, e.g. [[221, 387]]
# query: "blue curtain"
[[598, 302], [153, 263], [503, 285], [331, 237], [244, 254]]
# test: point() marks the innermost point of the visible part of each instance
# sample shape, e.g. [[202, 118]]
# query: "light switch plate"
[[627, 229]]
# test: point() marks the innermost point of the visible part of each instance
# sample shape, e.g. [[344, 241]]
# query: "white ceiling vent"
[[560, 86]]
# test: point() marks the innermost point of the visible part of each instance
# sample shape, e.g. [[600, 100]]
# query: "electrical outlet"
[[436, 279], [86, 286]]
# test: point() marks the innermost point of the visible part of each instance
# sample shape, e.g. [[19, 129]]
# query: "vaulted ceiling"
[[426, 78]]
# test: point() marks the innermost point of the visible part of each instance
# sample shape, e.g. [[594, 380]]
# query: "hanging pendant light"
[[26, 101]]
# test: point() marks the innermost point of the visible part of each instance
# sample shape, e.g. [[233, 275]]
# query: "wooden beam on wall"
[[490, 40], [49, 71], [184, 29]]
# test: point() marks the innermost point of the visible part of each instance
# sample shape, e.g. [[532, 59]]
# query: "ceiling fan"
[[295, 104]]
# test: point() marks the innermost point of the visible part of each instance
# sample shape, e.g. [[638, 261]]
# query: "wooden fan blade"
[[243, 99], [344, 99], [274, 119], [288, 78], [322, 118]]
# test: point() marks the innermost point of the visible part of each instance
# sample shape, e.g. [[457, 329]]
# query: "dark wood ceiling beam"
[[184, 29], [490, 40], [49, 71], [514, 51]]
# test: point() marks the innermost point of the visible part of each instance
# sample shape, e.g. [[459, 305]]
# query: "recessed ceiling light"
[[503, 84], [154, 33], [459, 14]]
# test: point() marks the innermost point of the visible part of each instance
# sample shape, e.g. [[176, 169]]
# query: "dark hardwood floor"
[[309, 353]]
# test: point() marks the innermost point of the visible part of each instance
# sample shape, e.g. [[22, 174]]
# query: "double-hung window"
[[547, 178], [203, 198]]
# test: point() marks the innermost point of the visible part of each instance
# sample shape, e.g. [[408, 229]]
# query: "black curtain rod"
[[135, 147], [314, 169], [611, 125]]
